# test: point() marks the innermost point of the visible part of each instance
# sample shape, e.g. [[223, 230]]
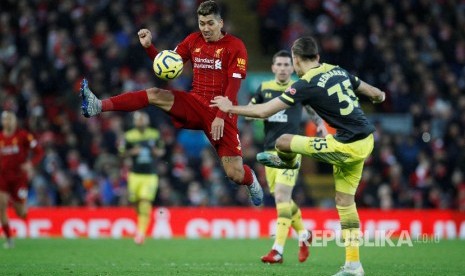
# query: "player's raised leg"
[[285, 159], [129, 101]]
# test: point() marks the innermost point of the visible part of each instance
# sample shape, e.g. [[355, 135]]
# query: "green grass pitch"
[[218, 257]]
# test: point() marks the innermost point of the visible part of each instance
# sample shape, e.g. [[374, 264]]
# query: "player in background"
[[16, 166], [143, 145], [332, 92], [219, 63], [282, 181]]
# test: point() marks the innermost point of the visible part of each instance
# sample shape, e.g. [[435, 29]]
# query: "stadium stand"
[[414, 50]]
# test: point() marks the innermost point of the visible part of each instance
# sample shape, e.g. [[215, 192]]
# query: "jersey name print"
[[329, 90]]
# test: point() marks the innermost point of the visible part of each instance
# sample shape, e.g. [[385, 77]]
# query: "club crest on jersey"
[[291, 90], [218, 52]]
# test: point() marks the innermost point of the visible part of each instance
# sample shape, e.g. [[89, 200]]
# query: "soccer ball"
[[167, 65]]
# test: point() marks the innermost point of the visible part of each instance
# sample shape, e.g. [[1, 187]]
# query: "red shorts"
[[15, 185], [191, 111]]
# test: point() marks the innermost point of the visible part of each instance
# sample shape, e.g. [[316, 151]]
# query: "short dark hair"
[[209, 7], [282, 53], [305, 47]]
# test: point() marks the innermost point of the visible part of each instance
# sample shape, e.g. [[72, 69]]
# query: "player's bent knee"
[[159, 96], [283, 143]]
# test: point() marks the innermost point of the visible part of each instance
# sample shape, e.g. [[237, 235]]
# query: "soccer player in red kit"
[[219, 63], [16, 145]]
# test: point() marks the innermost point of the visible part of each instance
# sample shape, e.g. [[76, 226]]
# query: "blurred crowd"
[[413, 50]]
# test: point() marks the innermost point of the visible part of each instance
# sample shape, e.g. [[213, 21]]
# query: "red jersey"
[[213, 63], [15, 150]]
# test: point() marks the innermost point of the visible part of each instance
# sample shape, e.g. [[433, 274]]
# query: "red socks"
[[248, 178], [6, 230], [130, 101]]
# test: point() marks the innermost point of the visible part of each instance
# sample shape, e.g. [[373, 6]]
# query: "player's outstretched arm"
[[250, 118], [375, 95], [263, 110], [145, 39]]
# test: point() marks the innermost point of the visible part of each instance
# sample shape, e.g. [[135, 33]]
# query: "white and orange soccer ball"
[[167, 65]]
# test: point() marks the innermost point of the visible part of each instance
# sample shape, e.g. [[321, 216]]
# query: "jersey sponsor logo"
[[218, 64], [291, 90], [241, 63], [207, 63], [237, 75], [10, 150], [144, 156], [279, 117]]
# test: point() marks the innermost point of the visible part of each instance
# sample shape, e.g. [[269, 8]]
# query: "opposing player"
[[282, 181], [16, 165], [219, 64], [143, 145], [331, 92]]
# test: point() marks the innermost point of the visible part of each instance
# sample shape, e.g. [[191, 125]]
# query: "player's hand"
[[379, 98], [223, 103], [145, 37], [217, 128]]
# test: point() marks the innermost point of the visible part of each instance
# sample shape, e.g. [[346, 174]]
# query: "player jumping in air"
[[332, 92], [219, 64], [16, 165]]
